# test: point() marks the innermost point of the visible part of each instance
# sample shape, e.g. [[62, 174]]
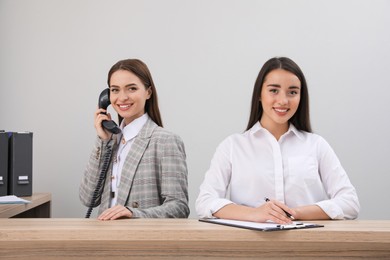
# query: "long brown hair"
[[138, 68], [301, 119]]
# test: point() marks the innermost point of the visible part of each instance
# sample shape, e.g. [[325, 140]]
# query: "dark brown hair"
[[138, 68], [301, 119]]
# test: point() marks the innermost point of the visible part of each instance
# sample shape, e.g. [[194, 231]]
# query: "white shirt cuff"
[[331, 209]]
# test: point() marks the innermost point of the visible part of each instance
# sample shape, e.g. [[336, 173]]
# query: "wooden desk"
[[40, 207], [187, 238]]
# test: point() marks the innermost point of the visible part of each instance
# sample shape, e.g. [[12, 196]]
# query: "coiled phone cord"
[[102, 177]]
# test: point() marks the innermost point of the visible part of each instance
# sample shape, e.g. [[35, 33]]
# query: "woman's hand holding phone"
[[100, 115]]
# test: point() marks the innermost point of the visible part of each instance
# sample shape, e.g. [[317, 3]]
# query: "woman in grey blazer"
[[147, 171]]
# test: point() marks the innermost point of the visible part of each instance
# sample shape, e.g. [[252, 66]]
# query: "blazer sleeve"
[[174, 183], [91, 174]]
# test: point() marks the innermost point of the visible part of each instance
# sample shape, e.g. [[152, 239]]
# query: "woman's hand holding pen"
[[278, 212], [100, 115], [270, 211]]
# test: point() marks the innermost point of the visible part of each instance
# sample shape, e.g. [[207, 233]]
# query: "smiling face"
[[280, 96], [128, 95]]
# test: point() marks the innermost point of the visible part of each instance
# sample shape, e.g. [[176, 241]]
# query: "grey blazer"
[[153, 182]]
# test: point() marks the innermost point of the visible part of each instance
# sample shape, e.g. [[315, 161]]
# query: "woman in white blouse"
[[277, 157]]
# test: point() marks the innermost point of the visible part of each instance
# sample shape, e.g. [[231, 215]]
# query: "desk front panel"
[[186, 238]]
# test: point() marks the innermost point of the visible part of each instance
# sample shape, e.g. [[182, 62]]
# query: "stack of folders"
[[12, 199], [268, 226]]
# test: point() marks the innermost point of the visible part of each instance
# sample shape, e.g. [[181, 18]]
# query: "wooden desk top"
[[178, 238], [10, 210]]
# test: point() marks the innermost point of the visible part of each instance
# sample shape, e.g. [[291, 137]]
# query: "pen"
[[288, 214]]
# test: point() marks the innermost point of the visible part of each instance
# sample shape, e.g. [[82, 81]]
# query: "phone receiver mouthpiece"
[[111, 126]]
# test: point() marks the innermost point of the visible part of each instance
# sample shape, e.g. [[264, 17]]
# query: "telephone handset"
[[104, 102]]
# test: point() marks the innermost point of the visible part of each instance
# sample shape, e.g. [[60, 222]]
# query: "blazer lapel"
[[133, 158]]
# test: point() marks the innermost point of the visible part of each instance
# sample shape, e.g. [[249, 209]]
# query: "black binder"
[[20, 163], [3, 163]]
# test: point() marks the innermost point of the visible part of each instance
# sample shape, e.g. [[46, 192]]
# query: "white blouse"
[[299, 169]]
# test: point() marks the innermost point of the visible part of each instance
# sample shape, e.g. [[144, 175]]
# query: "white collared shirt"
[[299, 169], [125, 141]]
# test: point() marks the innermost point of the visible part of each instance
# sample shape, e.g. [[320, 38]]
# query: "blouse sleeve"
[[343, 202], [213, 190]]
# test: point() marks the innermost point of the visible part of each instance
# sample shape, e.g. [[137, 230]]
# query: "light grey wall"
[[204, 56]]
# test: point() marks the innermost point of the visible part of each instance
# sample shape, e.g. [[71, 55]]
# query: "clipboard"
[[267, 226]]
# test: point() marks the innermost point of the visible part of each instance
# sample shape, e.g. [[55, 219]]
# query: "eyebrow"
[[278, 86], [128, 85]]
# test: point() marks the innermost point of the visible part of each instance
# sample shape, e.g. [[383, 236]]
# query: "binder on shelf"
[[3, 163], [20, 163]]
